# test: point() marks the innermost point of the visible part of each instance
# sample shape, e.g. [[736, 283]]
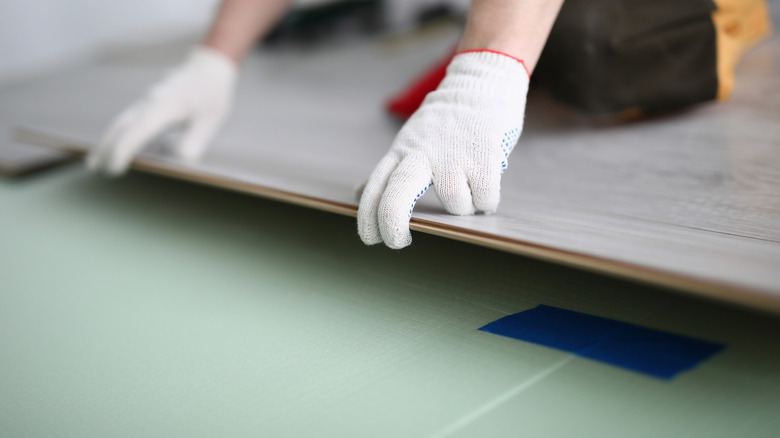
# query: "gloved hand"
[[459, 140], [198, 93]]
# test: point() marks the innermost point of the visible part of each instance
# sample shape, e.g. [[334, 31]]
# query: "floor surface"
[[150, 307]]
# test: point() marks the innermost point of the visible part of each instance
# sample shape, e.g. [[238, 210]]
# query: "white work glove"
[[197, 94], [459, 140]]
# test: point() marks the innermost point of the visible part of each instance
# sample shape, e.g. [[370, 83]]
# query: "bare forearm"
[[516, 27], [239, 23]]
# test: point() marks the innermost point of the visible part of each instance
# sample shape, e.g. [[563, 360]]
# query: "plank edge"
[[756, 299]]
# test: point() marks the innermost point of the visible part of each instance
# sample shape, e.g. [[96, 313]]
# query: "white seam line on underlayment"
[[489, 406]]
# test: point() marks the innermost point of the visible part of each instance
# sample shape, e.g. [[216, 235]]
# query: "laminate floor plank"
[[690, 201]]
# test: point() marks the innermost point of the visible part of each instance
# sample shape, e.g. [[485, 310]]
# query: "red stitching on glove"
[[498, 53]]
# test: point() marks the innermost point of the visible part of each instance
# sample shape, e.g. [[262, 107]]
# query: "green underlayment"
[[150, 307]]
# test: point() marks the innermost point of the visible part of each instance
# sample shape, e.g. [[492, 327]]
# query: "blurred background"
[[36, 35]]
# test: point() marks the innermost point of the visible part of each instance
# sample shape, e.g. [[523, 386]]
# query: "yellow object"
[[739, 24]]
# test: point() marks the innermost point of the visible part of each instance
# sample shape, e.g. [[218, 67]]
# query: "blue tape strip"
[[659, 354]]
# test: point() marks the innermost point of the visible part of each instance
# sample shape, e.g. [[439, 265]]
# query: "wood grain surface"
[[690, 201]]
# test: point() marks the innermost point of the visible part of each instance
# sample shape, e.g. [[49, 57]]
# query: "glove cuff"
[[496, 52], [206, 59], [486, 72]]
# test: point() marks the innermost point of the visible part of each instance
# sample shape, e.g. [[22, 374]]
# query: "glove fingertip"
[[371, 239], [115, 171], [399, 240], [91, 162], [188, 155]]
